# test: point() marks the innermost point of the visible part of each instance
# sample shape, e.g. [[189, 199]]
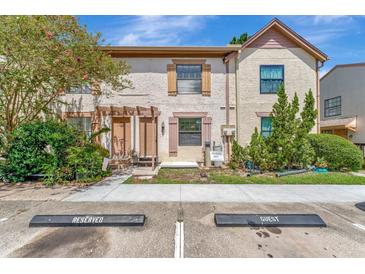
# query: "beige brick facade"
[[149, 79], [232, 68], [299, 77]]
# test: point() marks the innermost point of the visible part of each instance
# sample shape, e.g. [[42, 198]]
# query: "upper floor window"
[[271, 77], [332, 106], [84, 89], [189, 79], [82, 124], [266, 126], [190, 131]]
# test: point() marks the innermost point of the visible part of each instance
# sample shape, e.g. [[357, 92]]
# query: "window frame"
[[333, 107], [262, 131], [88, 133], [201, 79], [271, 65], [179, 131]]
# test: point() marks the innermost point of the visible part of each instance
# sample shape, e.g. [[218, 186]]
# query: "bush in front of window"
[[54, 149], [259, 152], [339, 153], [283, 140], [37, 145]]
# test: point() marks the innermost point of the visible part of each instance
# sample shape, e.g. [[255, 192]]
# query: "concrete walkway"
[[113, 190]]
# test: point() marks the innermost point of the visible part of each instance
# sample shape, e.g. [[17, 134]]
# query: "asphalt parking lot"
[[344, 236]]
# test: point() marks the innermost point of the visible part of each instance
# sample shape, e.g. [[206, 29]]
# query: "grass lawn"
[[195, 176]]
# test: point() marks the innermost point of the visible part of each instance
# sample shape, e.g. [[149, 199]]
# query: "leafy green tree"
[[281, 123], [288, 145], [303, 153], [309, 113], [241, 40], [43, 55], [233, 41]]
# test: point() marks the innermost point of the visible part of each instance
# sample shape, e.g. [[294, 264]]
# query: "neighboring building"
[[343, 102], [185, 97]]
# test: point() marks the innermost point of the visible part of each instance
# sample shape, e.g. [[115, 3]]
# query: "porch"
[[342, 126], [133, 138]]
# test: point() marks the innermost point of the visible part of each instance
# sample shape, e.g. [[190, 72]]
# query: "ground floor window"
[[266, 126], [83, 124], [190, 131], [327, 131], [84, 89]]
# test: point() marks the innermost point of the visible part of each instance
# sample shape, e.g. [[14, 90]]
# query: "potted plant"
[[321, 165]]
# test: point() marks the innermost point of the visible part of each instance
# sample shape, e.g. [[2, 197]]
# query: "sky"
[[342, 38]]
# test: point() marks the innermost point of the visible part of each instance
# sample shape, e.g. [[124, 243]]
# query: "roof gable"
[[277, 35], [342, 66]]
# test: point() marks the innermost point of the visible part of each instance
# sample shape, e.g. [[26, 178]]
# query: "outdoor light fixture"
[[163, 128]]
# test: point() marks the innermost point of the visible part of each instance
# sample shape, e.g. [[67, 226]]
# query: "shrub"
[[54, 149], [83, 163], [87, 161], [37, 145], [338, 152], [258, 151], [239, 155]]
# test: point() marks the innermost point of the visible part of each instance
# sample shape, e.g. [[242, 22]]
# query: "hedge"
[[338, 152]]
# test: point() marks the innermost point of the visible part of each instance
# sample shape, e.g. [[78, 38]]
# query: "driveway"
[[342, 238], [344, 235]]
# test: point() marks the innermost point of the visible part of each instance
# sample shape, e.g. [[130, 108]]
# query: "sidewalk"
[[115, 191]]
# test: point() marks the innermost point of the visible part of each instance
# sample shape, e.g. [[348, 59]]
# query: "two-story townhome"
[[343, 101], [184, 98]]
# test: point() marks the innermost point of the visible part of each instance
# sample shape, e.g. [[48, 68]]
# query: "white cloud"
[[333, 19], [323, 30], [157, 30]]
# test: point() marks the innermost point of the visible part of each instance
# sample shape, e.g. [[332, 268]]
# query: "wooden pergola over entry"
[[146, 114]]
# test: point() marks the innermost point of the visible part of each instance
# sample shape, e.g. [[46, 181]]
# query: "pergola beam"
[[127, 111]]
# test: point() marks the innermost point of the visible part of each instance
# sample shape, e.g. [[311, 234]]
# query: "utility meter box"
[[228, 130]]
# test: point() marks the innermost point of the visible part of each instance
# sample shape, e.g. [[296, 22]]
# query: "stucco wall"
[[149, 79], [299, 76], [349, 83]]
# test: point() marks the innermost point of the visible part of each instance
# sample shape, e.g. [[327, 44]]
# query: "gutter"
[[319, 64], [227, 93]]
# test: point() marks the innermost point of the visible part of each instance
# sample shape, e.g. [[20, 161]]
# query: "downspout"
[[226, 138], [319, 65], [227, 92]]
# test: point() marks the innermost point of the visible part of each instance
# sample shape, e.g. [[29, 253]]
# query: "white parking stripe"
[[360, 226], [179, 240]]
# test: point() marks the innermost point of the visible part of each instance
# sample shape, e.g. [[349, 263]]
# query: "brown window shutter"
[[171, 79], [173, 138], [206, 79], [207, 129]]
